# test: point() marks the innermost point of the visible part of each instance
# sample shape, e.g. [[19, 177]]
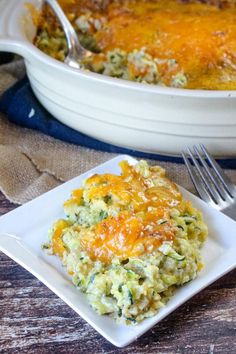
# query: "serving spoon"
[[75, 50]]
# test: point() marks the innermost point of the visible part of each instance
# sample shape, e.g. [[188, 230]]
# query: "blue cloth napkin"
[[19, 101]]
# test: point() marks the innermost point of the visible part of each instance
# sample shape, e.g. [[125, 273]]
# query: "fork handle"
[[230, 211]]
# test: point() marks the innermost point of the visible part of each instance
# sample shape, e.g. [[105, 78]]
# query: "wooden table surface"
[[35, 320]]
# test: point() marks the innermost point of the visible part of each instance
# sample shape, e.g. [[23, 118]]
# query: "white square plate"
[[31, 222]]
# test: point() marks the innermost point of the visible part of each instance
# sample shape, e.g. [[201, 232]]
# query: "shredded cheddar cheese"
[[57, 243], [143, 223], [188, 44]]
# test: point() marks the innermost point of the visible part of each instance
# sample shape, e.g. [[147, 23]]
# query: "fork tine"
[[199, 185], [209, 173], [215, 196], [228, 185]]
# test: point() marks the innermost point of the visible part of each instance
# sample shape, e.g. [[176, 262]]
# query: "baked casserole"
[[129, 241], [185, 44]]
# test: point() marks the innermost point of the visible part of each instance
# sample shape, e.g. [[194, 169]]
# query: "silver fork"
[[212, 184]]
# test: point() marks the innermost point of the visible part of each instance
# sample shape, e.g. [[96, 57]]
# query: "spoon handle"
[[74, 47]]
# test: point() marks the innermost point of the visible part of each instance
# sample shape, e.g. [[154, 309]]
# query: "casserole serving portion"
[[146, 117], [129, 241]]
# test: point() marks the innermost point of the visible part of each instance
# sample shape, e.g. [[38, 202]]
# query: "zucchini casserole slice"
[[129, 241]]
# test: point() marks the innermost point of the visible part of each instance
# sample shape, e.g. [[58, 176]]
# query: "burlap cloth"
[[32, 163]]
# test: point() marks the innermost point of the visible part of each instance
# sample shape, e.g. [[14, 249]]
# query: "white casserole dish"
[[138, 116]]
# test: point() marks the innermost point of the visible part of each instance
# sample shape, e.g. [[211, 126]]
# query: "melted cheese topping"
[[76, 197], [131, 189], [126, 235], [199, 36], [143, 222], [57, 242]]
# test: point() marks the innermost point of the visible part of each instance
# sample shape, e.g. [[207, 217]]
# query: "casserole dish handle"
[[13, 46], [16, 26]]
